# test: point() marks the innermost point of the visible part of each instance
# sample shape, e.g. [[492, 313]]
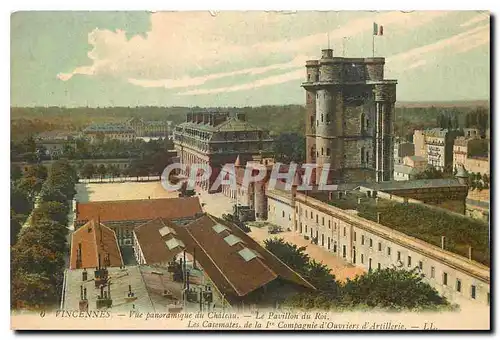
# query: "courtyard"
[[215, 204], [87, 192]]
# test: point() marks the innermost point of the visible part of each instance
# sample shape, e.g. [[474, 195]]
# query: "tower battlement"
[[349, 117]]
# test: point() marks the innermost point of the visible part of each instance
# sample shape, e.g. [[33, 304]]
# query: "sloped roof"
[[95, 239], [133, 210], [405, 169], [415, 184], [228, 269]]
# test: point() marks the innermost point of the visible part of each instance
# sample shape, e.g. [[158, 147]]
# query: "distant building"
[[107, 131], [417, 162], [404, 172], [478, 165], [52, 143], [349, 117], [152, 128], [439, 143], [123, 216], [419, 143], [472, 153], [401, 150], [218, 138]]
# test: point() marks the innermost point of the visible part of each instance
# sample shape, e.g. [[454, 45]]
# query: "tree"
[[88, 171], [289, 147], [101, 171], [15, 172], [113, 171], [36, 259], [47, 233], [51, 194], [391, 288], [38, 171], [55, 211], [293, 256], [33, 290], [19, 200], [430, 173], [15, 226]]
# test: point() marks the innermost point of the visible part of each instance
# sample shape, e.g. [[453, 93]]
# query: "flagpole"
[[373, 45]]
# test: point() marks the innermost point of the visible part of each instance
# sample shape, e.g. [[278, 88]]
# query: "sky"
[[204, 58]]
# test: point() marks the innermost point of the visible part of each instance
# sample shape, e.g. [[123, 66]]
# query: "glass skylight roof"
[[174, 243], [219, 228], [232, 240]]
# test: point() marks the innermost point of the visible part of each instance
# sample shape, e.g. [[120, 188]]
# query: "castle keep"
[[349, 118]]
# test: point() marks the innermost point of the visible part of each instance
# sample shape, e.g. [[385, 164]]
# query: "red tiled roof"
[[95, 240], [151, 242], [133, 210], [221, 261]]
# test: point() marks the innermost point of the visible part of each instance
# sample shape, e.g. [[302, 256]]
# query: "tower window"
[[321, 151], [328, 151], [328, 118], [308, 77], [321, 118]]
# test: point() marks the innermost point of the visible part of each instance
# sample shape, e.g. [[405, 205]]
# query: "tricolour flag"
[[378, 30]]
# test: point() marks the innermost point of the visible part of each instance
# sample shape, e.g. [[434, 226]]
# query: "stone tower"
[[349, 118]]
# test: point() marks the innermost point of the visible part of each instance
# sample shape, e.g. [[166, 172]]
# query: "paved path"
[[121, 191], [340, 268], [218, 204]]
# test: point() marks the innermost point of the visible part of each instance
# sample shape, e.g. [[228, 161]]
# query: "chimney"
[[199, 117], [443, 241], [359, 200], [378, 217], [206, 118], [330, 196], [470, 253], [189, 117], [194, 257], [84, 275]]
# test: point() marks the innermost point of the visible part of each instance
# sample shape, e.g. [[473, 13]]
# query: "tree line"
[[39, 253], [389, 289]]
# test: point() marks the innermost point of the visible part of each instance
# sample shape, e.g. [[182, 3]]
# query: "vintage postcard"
[[265, 170]]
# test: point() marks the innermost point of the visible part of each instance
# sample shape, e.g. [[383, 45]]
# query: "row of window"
[[458, 285]]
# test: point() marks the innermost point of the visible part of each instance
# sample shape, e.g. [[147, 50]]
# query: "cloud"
[[272, 80], [421, 55], [298, 62], [186, 49], [478, 18]]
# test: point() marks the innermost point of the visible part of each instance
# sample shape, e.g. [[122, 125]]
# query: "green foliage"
[[392, 289], [32, 290], [432, 173], [15, 172], [50, 210], [289, 147], [37, 257], [20, 200], [293, 256]]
